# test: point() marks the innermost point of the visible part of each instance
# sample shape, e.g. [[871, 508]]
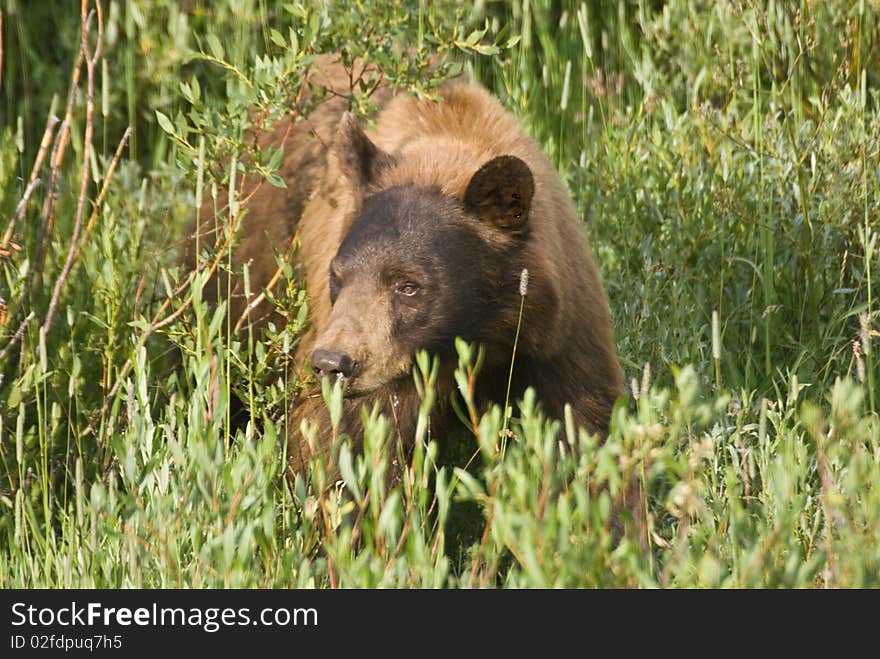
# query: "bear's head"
[[419, 267]]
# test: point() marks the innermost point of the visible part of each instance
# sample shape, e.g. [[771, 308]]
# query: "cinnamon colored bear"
[[415, 232]]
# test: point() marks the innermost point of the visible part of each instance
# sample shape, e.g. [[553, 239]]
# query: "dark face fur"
[[404, 279], [416, 269]]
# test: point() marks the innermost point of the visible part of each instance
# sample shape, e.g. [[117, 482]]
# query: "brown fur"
[[566, 346], [274, 214]]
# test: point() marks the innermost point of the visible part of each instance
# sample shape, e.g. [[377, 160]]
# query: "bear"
[[413, 231]]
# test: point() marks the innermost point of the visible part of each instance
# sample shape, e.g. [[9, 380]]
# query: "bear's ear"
[[501, 192], [359, 159]]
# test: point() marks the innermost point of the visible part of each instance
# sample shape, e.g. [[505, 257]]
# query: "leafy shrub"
[[724, 157]]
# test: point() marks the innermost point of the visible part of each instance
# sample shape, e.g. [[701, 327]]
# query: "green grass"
[[725, 158]]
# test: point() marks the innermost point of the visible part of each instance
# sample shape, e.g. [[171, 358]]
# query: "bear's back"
[[444, 143]]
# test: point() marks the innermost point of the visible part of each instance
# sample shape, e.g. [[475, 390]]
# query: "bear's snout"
[[333, 363]]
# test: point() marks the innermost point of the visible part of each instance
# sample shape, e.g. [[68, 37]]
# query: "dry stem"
[[90, 59]]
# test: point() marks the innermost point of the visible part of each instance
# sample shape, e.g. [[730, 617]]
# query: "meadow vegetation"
[[725, 156]]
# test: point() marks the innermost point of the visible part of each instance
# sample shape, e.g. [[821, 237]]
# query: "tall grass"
[[724, 156]]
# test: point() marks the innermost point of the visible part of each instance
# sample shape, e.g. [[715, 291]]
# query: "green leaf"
[[332, 394], [215, 46], [276, 180], [186, 90], [276, 38], [389, 523], [165, 123], [486, 49], [275, 158], [474, 37], [346, 470], [470, 485]]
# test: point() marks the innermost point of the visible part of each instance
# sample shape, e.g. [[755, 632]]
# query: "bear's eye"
[[407, 288], [335, 285]]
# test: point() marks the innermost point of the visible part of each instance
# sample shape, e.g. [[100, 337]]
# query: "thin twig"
[[19, 211], [158, 321], [111, 169], [33, 181], [62, 139], [253, 304], [490, 518], [258, 300], [58, 149], [107, 177], [91, 60], [15, 338]]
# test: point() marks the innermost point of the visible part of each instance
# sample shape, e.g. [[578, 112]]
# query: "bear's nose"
[[332, 363]]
